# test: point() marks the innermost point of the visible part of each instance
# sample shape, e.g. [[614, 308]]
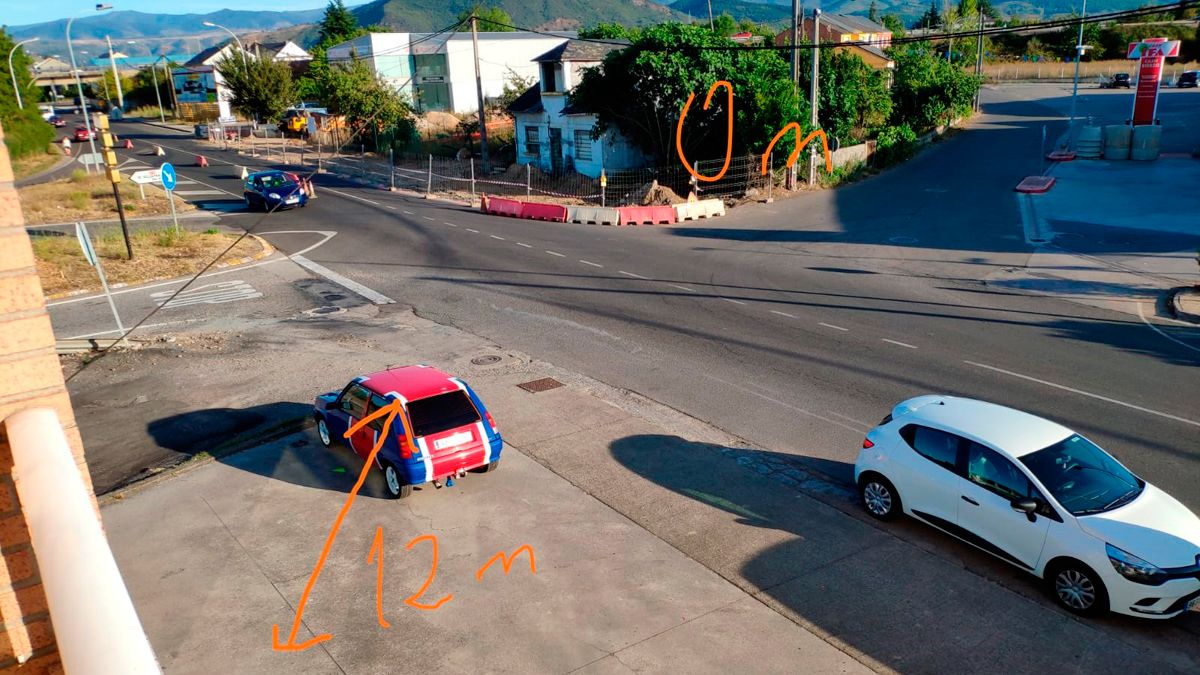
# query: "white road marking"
[[588, 262], [389, 206], [790, 316], [428, 218], [900, 344], [785, 405], [373, 296], [498, 237], [683, 288], [1163, 333], [1084, 393], [193, 193], [557, 254], [408, 213], [736, 302], [446, 222], [829, 325], [851, 419], [347, 194], [145, 325], [208, 294], [631, 274], [472, 230], [525, 245]]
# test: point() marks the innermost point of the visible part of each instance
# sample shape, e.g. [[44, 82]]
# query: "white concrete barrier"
[[593, 214], [705, 208]]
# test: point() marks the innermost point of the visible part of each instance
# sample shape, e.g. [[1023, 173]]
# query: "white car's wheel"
[[879, 496], [1077, 588]]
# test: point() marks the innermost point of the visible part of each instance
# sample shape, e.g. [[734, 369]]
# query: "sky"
[[20, 12]]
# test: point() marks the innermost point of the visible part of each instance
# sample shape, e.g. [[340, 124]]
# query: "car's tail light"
[[405, 450], [867, 443], [491, 422]]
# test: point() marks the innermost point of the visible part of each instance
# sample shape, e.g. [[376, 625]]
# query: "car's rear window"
[[441, 413]]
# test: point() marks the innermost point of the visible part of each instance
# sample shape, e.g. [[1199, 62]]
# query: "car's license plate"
[[1193, 604], [293, 200], [451, 441]]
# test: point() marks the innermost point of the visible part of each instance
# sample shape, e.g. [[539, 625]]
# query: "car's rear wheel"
[[1077, 588], [879, 497], [323, 432], [393, 483], [249, 204]]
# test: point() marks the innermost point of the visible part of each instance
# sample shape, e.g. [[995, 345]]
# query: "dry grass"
[[35, 163], [83, 197], [156, 254], [1088, 70]]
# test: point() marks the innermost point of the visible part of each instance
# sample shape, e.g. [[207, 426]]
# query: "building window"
[[533, 141], [583, 145], [551, 77]]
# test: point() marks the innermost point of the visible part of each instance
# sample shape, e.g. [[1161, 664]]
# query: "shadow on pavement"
[[902, 594]]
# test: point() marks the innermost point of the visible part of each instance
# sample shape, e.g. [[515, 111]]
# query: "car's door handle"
[[969, 500]]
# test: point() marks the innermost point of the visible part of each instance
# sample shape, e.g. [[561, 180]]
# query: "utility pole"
[[171, 86], [1078, 57], [112, 61], [978, 57], [710, 19], [949, 29], [483, 143], [157, 94], [797, 13], [816, 64]]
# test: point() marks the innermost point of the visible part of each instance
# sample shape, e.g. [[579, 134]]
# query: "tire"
[[323, 432], [1076, 588], [391, 482], [249, 204], [879, 497], [491, 466]]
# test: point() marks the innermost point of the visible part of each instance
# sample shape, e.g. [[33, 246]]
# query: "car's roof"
[[1012, 432], [272, 172], [410, 382]]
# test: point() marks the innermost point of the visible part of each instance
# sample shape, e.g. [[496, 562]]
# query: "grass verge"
[[84, 197], [32, 164]]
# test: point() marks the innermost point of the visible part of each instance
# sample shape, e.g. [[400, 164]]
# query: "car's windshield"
[[1082, 477], [274, 180]]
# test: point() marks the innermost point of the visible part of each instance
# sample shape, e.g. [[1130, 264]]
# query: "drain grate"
[[544, 384], [485, 360]]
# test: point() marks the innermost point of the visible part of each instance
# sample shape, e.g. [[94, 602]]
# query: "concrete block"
[[593, 215]]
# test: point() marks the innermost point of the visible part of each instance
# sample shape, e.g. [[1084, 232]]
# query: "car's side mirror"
[[1026, 506]]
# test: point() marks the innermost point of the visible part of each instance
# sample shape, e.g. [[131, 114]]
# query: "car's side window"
[[374, 406], [935, 445], [354, 401], [990, 470]]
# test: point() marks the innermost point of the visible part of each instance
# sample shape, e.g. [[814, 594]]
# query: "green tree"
[[989, 10], [608, 31], [928, 90], [371, 106], [25, 132], [932, 18], [967, 8], [855, 99], [259, 88], [724, 25], [515, 84], [337, 25], [873, 12], [894, 24], [490, 19]]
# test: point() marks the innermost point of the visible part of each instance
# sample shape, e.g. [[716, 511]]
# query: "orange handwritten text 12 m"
[[791, 126]]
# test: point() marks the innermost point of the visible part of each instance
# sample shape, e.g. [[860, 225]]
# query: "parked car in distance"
[[57, 121], [1187, 78], [1120, 80], [445, 430], [1038, 496], [82, 134], [273, 190]]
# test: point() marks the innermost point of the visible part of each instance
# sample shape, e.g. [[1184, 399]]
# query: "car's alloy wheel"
[[1075, 590], [877, 498], [391, 478], [323, 432]]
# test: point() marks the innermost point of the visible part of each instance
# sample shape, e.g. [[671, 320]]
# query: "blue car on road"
[[273, 190]]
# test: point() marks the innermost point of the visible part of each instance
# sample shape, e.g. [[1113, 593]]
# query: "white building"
[[437, 71], [555, 135], [199, 87]]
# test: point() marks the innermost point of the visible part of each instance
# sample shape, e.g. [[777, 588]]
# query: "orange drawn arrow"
[[377, 549], [391, 410], [799, 146], [728, 135]]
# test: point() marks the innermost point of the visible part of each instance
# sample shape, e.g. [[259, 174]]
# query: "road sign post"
[[166, 174], [1150, 52], [89, 253], [143, 177]]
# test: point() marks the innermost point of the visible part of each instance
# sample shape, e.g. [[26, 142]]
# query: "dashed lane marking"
[[472, 230], [525, 245], [790, 316], [631, 274], [588, 262], [556, 253], [683, 288], [829, 325], [899, 344], [736, 302], [498, 237]]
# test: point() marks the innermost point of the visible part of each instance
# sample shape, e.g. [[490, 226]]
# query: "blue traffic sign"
[[168, 176]]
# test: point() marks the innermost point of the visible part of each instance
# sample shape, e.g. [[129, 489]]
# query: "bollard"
[[392, 169], [283, 151], [472, 179], [770, 177], [429, 180], [528, 191]]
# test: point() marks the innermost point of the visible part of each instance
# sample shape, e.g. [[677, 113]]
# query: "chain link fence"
[[464, 179]]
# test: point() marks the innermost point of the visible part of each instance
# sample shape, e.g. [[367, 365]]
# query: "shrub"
[[78, 176], [895, 144], [79, 200]]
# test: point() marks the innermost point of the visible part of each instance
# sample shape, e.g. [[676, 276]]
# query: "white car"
[[1038, 496]]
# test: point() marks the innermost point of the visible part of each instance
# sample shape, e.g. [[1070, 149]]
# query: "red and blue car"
[[452, 432]]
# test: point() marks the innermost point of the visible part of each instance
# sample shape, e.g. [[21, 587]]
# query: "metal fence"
[[464, 179]]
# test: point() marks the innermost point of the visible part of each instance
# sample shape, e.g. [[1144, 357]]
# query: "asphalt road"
[[796, 325]]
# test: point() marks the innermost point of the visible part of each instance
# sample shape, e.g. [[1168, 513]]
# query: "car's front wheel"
[[879, 496], [249, 203], [1077, 588], [394, 483], [323, 432]]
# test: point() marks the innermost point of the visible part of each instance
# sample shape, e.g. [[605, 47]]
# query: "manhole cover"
[[327, 309], [544, 384], [903, 240], [485, 360]]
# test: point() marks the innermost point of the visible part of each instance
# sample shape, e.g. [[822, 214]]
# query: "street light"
[[1079, 49], [112, 61], [235, 39], [12, 51], [87, 121]]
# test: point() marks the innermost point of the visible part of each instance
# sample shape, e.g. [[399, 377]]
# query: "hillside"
[[775, 11], [431, 15], [126, 25]]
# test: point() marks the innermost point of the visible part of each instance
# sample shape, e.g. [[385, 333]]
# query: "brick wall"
[[30, 376]]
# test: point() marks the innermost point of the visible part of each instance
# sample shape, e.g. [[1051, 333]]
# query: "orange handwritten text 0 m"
[[817, 133]]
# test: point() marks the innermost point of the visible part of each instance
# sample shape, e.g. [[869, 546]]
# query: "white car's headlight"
[[1134, 568], [274, 195]]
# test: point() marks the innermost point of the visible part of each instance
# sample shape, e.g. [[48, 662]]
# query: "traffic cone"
[[201, 161], [312, 189], [245, 173], [158, 151], [128, 144]]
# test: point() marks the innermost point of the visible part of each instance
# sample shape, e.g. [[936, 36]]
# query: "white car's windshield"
[[1082, 477]]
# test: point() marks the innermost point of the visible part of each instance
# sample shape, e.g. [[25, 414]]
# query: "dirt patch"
[[34, 164], [157, 254], [653, 194], [84, 197]]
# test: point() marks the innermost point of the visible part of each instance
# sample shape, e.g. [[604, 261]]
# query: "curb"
[[267, 250], [36, 179], [1175, 302]]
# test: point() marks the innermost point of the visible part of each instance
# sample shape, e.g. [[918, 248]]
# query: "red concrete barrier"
[[1035, 184], [503, 207], [552, 212], [1061, 156], [647, 215]]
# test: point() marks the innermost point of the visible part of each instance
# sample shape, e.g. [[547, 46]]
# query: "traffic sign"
[[91, 158], [1153, 47], [167, 175], [147, 176], [85, 243]]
